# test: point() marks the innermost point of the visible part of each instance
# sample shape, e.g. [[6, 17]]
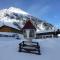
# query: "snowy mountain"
[[17, 17]]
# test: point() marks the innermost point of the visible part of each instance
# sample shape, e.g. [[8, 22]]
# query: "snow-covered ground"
[[50, 49]]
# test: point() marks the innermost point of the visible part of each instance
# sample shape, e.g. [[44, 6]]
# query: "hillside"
[[18, 17]]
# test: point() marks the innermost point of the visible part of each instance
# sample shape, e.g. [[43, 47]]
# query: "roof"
[[7, 27], [11, 25], [29, 25], [46, 33]]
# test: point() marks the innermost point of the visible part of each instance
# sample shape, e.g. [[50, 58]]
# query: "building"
[[29, 30], [49, 34], [5, 28]]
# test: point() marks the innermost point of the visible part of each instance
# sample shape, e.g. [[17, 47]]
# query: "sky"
[[48, 10]]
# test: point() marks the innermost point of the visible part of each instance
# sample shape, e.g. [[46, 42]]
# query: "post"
[[28, 38]]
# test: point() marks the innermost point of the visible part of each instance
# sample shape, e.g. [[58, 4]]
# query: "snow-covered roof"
[[11, 25], [8, 24]]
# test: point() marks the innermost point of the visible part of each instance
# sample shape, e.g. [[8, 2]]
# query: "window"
[[24, 32], [31, 34]]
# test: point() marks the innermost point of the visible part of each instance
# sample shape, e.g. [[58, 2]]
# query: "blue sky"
[[48, 10]]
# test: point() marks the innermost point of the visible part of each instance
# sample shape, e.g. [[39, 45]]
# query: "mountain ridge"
[[17, 14]]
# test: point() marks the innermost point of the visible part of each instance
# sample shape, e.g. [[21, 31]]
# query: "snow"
[[11, 10], [1, 24], [7, 33], [11, 25], [59, 35], [44, 31], [17, 10], [7, 22], [11, 34], [50, 49], [4, 20]]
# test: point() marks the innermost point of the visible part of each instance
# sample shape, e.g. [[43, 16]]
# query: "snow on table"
[[50, 49]]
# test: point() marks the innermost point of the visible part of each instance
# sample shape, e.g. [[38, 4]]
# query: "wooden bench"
[[26, 47]]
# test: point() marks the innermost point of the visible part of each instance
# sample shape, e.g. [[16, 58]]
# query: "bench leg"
[[20, 48], [39, 52]]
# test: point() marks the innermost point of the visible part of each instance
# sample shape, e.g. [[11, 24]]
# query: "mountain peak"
[[17, 10], [13, 9]]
